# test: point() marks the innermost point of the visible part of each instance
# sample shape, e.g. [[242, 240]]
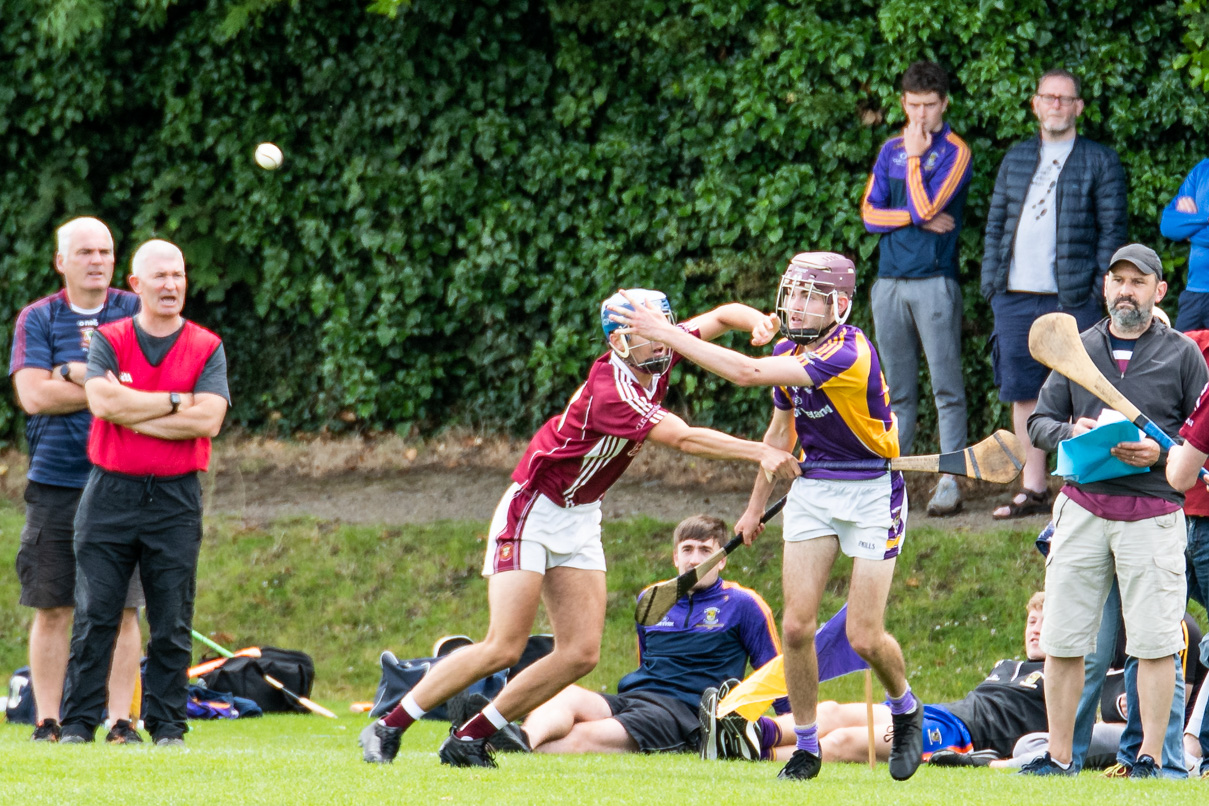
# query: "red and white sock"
[[405, 713], [482, 725]]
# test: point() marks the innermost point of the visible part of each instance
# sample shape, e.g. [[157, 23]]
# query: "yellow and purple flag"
[[752, 697]]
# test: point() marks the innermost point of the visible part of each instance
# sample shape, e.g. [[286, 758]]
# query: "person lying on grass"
[[709, 636], [1008, 704]]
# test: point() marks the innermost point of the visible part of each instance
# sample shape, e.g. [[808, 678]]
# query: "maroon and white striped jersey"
[[575, 457]]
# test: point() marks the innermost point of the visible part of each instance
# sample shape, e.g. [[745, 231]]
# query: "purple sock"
[[770, 737], [808, 738], [902, 705]]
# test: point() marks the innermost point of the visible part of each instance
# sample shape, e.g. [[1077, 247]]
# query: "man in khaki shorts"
[[1131, 526]]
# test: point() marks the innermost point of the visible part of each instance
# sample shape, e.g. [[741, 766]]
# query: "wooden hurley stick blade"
[[1054, 341], [661, 598], [998, 458]]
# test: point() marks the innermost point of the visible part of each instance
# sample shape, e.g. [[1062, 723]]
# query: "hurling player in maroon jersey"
[[830, 397], [544, 540]]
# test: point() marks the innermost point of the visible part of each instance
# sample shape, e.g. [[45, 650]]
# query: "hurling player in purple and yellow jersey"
[[830, 397]]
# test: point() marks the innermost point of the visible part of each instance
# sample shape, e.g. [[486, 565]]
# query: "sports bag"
[[21, 707], [244, 677], [401, 676], [204, 703]]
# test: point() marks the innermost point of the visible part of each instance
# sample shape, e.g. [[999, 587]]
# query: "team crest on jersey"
[[1033, 679], [86, 337], [931, 163], [506, 552], [710, 618]]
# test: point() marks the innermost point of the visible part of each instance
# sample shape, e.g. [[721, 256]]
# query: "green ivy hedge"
[[464, 182]]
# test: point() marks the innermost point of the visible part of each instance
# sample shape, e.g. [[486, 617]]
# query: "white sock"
[[413, 710], [494, 716]]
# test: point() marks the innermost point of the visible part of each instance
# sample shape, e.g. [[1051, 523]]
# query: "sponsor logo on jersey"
[[125, 378], [814, 414]]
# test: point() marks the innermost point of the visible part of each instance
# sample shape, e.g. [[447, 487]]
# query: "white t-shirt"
[[1035, 250]]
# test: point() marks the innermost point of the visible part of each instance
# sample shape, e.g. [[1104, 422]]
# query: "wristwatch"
[[65, 371], [175, 399]]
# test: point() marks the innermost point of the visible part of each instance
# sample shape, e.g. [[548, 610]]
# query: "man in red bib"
[[157, 387]]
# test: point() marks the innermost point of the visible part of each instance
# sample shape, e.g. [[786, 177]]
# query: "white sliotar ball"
[[268, 156]]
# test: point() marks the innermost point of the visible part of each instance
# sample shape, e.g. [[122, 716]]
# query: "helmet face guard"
[[811, 275], [655, 365]]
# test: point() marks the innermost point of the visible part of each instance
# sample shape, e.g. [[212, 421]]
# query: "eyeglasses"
[[1059, 100]]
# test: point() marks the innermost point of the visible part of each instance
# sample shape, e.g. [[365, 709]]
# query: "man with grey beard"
[[1132, 525]]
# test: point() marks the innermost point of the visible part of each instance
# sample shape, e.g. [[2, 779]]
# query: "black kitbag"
[[244, 677]]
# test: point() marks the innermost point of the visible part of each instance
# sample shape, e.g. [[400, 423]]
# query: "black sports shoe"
[[508, 739], [907, 744], [1044, 765], [463, 705], [740, 738], [466, 752], [1144, 767], [123, 732], [802, 766], [76, 734], [951, 758], [379, 743], [48, 730], [707, 716]]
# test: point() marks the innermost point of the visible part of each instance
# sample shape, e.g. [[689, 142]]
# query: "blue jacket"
[[1192, 227], [905, 193], [704, 639], [1092, 215]]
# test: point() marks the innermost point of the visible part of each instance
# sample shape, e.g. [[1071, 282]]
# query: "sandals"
[[1024, 503]]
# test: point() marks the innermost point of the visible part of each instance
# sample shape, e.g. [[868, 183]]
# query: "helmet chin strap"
[[652, 366]]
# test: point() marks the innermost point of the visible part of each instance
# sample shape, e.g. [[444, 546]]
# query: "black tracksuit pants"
[[156, 523]]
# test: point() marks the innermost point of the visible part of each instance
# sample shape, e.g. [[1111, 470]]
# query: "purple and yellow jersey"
[[845, 414]]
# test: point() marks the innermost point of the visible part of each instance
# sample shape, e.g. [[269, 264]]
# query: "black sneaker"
[[48, 730], [740, 738], [951, 758], [509, 739], [907, 744], [1044, 765], [466, 752], [464, 705], [379, 742], [123, 732], [76, 734], [802, 766], [1144, 767], [707, 716]]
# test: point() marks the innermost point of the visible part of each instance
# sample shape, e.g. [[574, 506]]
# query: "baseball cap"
[[1143, 258]]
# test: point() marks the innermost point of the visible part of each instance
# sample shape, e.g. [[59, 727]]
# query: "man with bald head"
[[50, 346], [157, 385]]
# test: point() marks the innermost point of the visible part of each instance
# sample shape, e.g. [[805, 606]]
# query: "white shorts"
[[867, 515], [529, 532]]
